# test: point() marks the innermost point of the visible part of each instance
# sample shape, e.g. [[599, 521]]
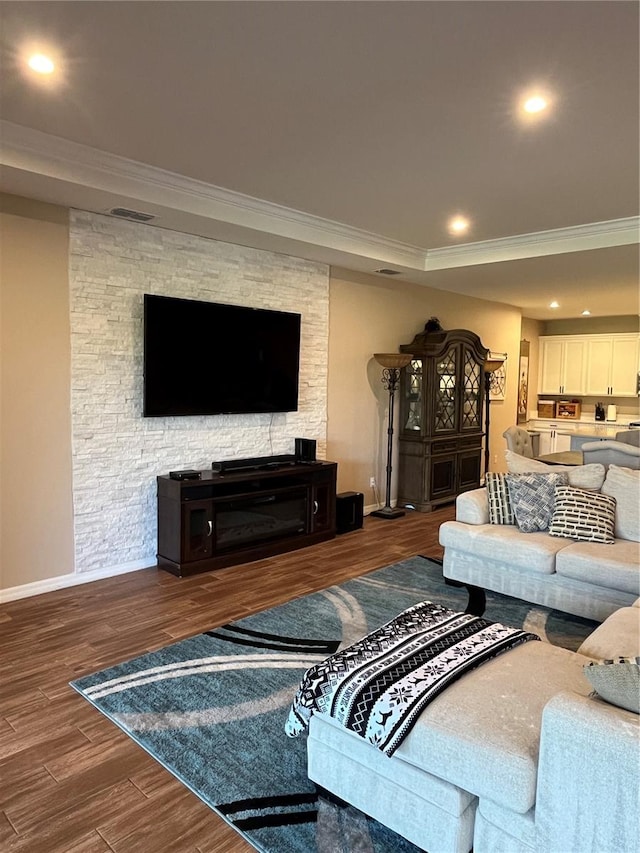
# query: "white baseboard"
[[63, 581]]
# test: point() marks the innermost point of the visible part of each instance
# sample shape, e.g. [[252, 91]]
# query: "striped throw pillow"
[[587, 516], [500, 509]]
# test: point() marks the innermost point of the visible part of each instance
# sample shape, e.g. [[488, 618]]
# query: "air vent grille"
[[136, 215], [385, 271]]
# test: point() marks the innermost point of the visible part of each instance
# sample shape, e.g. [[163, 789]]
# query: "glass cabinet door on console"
[[197, 523], [440, 428], [323, 503]]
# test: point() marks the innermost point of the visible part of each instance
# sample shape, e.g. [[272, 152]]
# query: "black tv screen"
[[206, 358]]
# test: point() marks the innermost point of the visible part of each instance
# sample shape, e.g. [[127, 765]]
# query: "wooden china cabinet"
[[440, 428]]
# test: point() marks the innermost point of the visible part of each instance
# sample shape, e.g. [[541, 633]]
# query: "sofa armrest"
[[588, 790], [473, 507]]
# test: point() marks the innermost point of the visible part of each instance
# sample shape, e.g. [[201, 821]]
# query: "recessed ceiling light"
[[41, 63], [458, 225], [554, 304], [535, 104], [586, 313]]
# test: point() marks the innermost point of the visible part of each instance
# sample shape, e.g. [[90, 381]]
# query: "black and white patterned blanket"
[[378, 686]]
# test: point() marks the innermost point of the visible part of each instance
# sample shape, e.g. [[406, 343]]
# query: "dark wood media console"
[[224, 519]]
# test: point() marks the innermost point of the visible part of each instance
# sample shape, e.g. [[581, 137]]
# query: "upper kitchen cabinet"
[[562, 365], [612, 366], [590, 365]]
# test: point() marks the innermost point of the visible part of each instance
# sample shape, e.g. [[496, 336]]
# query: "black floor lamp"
[[391, 363], [490, 367]]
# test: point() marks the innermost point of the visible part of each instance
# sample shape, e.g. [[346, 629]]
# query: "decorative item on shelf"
[[547, 409], [569, 410], [523, 384], [498, 375], [432, 325], [494, 363], [392, 363]]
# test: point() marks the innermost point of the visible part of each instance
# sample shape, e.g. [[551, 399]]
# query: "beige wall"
[[592, 325], [36, 540], [368, 314], [531, 331]]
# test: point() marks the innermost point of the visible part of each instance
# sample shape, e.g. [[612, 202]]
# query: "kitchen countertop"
[[600, 429]]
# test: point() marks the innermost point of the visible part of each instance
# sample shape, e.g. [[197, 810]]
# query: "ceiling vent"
[[135, 215], [385, 271]]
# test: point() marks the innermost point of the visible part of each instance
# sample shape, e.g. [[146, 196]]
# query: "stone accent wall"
[[117, 453]]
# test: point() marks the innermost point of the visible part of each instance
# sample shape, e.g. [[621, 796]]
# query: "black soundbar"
[[253, 463]]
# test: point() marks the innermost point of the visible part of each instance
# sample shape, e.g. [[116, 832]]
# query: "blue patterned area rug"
[[212, 709]]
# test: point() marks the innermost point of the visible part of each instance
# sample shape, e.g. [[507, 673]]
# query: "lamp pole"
[[487, 403], [392, 364]]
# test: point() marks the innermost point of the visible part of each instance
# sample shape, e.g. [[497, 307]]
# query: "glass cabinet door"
[[414, 392], [197, 530], [471, 413], [445, 392]]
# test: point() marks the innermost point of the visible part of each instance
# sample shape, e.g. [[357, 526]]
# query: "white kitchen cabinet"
[[612, 366], [553, 441], [590, 365], [562, 365]]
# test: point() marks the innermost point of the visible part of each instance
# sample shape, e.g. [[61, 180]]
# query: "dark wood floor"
[[71, 781]]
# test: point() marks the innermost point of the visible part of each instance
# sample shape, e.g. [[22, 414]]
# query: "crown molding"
[[42, 154], [576, 238]]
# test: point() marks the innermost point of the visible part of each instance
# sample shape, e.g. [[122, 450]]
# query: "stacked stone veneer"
[[117, 453]]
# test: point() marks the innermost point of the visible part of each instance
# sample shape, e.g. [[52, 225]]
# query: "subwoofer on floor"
[[349, 511]]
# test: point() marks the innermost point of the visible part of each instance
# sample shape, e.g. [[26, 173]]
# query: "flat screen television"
[[207, 358]]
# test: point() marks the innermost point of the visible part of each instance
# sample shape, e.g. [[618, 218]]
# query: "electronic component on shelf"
[[255, 462], [187, 474]]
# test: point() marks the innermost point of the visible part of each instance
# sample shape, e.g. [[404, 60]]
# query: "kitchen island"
[[557, 435]]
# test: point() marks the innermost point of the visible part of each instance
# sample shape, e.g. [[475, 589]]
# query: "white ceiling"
[[349, 132]]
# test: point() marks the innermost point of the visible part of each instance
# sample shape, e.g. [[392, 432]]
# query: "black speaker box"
[[305, 450], [349, 511]]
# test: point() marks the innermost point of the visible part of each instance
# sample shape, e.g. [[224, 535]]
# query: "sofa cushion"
[[617, 682], [619, 634], [500, 509], [589, 477], [623, 484], [502, 543], [532, 497], [502, 830], [611, 566], [579, 514], [483, 732], [473, 507]]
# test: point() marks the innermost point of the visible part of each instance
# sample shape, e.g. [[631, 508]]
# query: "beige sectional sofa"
[[588, 579], [515, 757], [519, 755]]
